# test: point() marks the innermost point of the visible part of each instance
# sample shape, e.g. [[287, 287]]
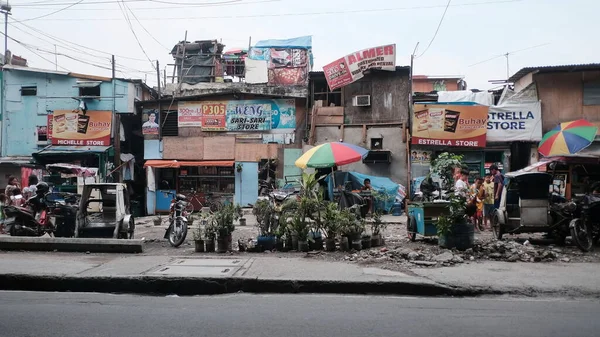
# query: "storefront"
[[200, 181], [503, 135]]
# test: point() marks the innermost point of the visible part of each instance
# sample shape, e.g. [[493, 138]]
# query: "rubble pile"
[[430, 256]]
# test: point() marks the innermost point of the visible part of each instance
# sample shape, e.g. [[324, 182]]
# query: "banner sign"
[[75, 128], [515, 122], [351, 68], [213, 116], [450, 125], [150, 119], [189, 114], [261, 114]]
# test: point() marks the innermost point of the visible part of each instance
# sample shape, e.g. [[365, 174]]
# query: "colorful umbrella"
[[330, 155], [568, 138]]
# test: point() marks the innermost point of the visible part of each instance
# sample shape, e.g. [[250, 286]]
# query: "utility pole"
[[507, 67], [5, 9], [116, 125], [55, 59]]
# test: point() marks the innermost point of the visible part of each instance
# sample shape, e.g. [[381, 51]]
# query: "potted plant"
[[331, 225], [157, 220], [353, 227], [266, 222], [453, 227], [198, 240], [209, 237], [301, 228], [223, 222], [377, 225], [239, 167]]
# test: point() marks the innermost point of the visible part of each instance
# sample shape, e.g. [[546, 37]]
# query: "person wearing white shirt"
[[461, 186]]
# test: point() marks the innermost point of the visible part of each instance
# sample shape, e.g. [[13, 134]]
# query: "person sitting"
[[17, 198], [367, 187]]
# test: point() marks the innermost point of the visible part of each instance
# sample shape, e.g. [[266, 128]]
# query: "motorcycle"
[[30, 219], [585, 228], [178, 222], [278, 198], [62, 212]]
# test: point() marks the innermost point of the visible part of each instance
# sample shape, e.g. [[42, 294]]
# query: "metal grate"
[[168, 122]]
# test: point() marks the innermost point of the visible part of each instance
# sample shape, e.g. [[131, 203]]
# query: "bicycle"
[[192, 199]]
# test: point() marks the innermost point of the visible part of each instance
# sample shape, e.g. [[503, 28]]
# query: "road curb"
[[185, 286], [92, 245]]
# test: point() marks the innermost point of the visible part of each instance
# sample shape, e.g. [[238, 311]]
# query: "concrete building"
[[41, 110], [372, 112], [220, 129]]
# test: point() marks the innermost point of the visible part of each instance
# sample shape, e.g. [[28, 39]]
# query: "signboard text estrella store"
[[511, 120]]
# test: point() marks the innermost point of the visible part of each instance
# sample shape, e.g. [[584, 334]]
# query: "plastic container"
[[396, 209]]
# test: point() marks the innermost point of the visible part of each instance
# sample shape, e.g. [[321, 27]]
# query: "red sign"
[[351, 67], [75, 128], [213, 116], [49, 132]]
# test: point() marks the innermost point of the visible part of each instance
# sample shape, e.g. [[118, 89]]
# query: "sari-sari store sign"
[[261, 115], [515, 122]]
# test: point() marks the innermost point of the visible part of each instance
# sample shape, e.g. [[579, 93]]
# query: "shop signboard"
[[150, 119], [515, 122], [76, 128], [261, 114], [460, 125], [351, 68], [189, 114], [213, 116]]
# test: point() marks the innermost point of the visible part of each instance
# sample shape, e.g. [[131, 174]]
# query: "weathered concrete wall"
[[392, 141], [389, 92], [188, 90]]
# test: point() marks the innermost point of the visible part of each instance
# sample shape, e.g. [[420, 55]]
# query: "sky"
[[471, 41]]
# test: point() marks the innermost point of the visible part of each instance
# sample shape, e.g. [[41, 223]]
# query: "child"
[[488, 200], [17, 198], [476, 190]]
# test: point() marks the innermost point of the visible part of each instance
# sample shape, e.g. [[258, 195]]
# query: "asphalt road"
[[81, 314]]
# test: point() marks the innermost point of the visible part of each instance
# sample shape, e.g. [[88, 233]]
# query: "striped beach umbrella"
[[330, 155], [568, 138]]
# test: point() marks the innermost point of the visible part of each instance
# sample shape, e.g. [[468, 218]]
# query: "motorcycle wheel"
[[215, 206], [176, 237], [411, 228], [497, 227], [581, 235], [131, 228]]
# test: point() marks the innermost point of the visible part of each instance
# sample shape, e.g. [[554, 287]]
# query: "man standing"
[[498, 180]]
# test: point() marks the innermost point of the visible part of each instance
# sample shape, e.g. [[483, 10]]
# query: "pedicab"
[[111, 211]]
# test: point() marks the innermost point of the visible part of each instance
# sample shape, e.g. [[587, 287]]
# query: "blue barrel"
[[397, 209]]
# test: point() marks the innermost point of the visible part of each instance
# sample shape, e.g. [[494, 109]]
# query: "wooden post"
[[364, 134]]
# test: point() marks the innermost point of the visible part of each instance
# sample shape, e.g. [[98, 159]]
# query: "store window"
[[376, 143], [29, 91], [168, 123], [591, 93]]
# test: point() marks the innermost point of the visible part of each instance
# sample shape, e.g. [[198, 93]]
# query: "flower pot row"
[[220, 245]]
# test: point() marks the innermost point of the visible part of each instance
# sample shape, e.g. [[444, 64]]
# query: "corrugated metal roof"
[[550, 69]]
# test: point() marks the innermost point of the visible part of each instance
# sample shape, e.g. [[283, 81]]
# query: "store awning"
[[15, 160], [65, 149], [177, 163]]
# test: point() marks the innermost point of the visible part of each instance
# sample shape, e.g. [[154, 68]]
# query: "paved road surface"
[[82, 314]]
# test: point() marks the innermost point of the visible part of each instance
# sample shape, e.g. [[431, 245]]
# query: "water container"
[[397, 209]]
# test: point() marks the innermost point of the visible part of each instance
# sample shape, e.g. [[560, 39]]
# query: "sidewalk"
[[196, 275]]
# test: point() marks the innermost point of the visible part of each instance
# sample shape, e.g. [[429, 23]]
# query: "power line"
[[437, 29], [118, 1], [191, 5], [124, 11], [508, 53], [33, 51], [144, 28], [357, 11], [76, 44], [57, 11]]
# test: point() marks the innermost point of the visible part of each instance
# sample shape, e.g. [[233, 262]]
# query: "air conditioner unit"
[[361, 100]]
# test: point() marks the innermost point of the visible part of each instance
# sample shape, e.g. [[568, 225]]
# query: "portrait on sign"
[[150, 120]]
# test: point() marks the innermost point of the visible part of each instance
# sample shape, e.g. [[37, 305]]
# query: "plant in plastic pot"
[[377, 226], [267, 223], [223, 223], [210, 235], [331, 225], [198, 240], [353, 226]]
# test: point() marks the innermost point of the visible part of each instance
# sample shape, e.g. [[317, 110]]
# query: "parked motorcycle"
[[585, 229], [31, 219], [178, 222], [62, 212], [278, 197]]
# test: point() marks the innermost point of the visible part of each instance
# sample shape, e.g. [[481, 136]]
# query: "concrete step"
[[92, 245]]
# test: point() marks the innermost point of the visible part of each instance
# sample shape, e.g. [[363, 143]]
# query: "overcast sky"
[[472, 31]]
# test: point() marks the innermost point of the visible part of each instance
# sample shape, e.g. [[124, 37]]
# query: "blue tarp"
[[303, 42], [394, 190]]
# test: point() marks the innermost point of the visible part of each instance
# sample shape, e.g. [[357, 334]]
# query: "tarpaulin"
[[177, 164], [483, 97], [396, 192], [303, 42]]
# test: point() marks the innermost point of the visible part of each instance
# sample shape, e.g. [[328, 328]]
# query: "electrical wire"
[[508, 53], [118, 1], [144, 28], [57, 11], [357, 11], [135, 35], [33, 51], [75, 44], [163, 7], [437, 29]]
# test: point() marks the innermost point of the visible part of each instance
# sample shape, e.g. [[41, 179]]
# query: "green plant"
[[444, 166], [239, 167], [210, 231], [266, 219], [223, 219], [309, 185], [351, 224], [457, 213], [331, 220], [198, 233], [377, 225]]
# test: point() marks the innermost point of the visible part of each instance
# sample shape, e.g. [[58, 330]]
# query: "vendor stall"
[[198, 180]]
